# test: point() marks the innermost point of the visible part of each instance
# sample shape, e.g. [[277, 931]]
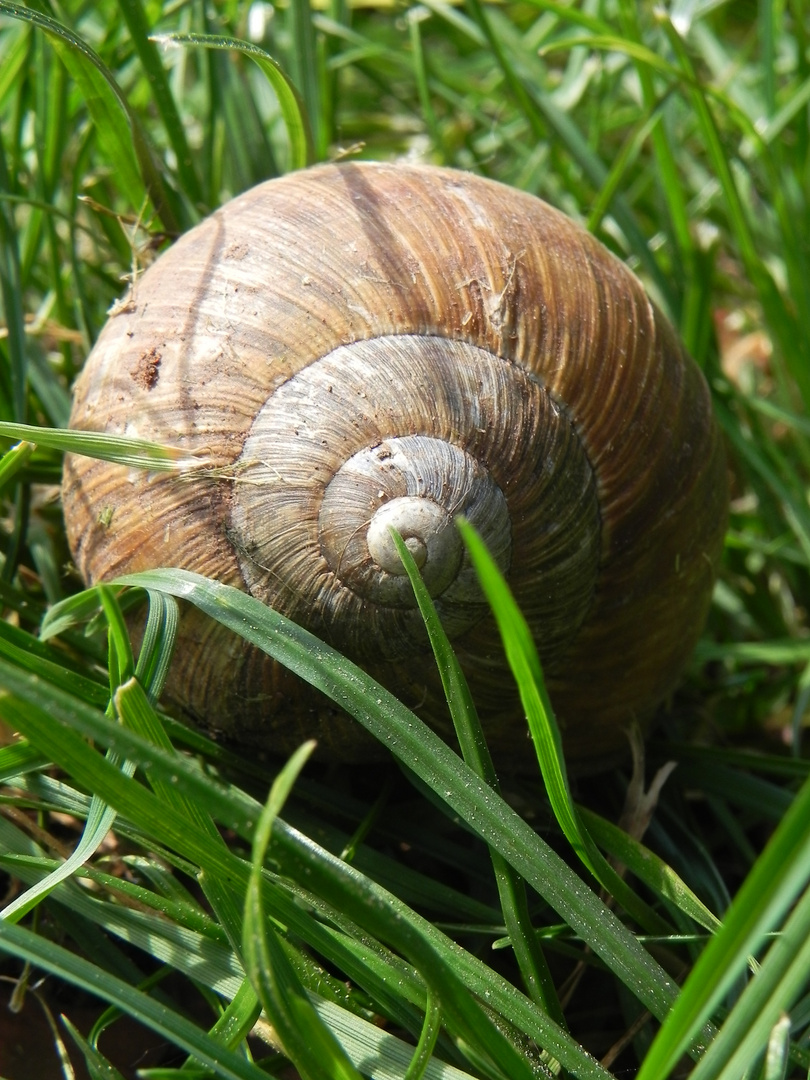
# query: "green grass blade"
[[781, 320], [157, 648], [306, 68], [66, 745], [532, 962], [135, 453], [19, 758], [539, 110], [133, 706], [423, 752], [12, 296], [237, 1020], [99, 822], [100, 818], [290, 103], [522, 657], [98, 1066], [30, 654], [14, 460], [772, 991], [417, 1067], [648, 868], [121, 662]]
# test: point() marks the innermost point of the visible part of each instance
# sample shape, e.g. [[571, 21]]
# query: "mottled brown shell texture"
[[362, 345]]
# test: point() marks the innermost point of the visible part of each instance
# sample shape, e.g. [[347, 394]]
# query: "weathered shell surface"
[[383, 338]]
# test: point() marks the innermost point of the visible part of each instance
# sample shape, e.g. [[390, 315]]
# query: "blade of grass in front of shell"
[[533, 965], [430, 758], [522, 657], [133, 453]]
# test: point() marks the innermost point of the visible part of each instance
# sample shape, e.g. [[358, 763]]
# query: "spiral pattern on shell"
[[362, 345]]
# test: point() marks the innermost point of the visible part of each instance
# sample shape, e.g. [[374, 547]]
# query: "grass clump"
[[420, 921]]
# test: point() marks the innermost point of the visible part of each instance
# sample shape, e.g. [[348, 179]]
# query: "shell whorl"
[[359, 345], [448, 429]]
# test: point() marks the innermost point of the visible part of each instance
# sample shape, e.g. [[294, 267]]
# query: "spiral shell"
[[362, 345]]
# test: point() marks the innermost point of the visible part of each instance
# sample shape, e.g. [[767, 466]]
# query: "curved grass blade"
[[157, 648], [430, 758], [290, 103], [418, 1064], [649, 868], [98, 1066], [512, 893], [100, 817], [525, 664], [117, 127]]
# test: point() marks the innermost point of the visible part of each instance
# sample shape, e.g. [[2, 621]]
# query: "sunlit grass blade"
[[532, 962], [649, 868], [290, 103], [772, 991], [238, 1018], [522, 657], [135, 453], [132, 705], [118, 127], [14, 460]]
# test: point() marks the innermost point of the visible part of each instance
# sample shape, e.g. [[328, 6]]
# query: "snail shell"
[[365, 345]]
